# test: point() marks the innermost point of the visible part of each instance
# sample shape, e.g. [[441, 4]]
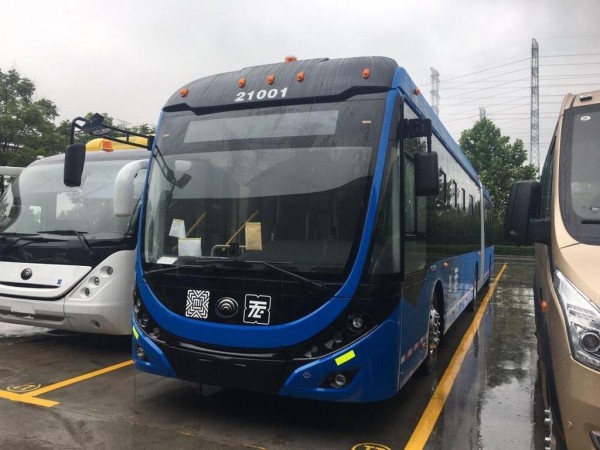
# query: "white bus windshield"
[[39, 201]]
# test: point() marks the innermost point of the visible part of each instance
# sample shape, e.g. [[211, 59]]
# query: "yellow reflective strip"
[[345, 358], [135, 333]]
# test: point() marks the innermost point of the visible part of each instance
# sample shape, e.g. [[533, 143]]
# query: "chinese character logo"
[[196, 305], [257, 309]]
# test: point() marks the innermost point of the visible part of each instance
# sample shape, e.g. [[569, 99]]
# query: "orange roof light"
[[366, 73], [544, 306], [417, 91], [290, 58], [106, 145], [271, 79], [242, 82], [184, 92], [300, 77]]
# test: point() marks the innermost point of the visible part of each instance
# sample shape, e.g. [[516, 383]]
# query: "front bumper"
[[371, 364]]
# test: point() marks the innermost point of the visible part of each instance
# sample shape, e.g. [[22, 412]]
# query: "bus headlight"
[[583, 322], [144, 319]]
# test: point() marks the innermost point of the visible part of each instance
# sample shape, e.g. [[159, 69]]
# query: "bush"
[[514, 250]]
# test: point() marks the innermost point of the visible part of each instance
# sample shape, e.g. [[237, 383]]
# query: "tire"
[[434, 335], [471, 305], [552, 440]]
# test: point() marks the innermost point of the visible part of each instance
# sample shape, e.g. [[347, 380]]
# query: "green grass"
[[513, 250]]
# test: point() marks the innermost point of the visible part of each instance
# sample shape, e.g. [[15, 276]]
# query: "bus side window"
[[454, 194], [386, 256], [443, 196]]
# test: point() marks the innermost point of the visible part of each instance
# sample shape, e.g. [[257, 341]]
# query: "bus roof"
[[306, 81]]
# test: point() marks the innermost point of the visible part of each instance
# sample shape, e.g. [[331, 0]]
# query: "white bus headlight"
[[583, 322]]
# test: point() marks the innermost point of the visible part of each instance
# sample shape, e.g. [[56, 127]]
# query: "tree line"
[[28, 126]]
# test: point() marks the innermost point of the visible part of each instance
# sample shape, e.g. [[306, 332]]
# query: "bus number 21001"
[[260, 95]]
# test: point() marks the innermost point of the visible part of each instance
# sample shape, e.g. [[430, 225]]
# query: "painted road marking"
[[438, 399], [31, 396], [23, 388]]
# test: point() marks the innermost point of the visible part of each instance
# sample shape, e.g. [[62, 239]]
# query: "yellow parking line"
[[438, 399], [32, 401], [78, 379], [31, 397]]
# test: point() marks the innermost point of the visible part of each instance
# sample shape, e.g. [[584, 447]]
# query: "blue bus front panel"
[[366, 370]]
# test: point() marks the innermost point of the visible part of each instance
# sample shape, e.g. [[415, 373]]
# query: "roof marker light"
[[300, 77], [271, 79], [290, 58], [366, 73], [242, 82], [417, 91], [184, 92], [106, 146]]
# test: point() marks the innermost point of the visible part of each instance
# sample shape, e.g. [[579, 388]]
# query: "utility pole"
[[534, 151], [435, 90]]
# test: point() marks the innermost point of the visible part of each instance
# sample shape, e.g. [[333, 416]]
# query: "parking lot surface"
[[77, 391]]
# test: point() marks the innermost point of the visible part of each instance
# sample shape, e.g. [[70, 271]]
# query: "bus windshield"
[[37, 202], [580, 162], [286, 185]]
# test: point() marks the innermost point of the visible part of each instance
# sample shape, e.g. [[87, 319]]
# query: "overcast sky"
[[125, 58]]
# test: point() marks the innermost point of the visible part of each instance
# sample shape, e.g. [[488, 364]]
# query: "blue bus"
[[308, 229]]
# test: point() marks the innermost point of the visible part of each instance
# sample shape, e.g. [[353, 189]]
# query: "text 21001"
[[261, 95]]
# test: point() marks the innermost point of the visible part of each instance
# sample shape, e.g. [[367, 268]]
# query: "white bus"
[[66, 259]]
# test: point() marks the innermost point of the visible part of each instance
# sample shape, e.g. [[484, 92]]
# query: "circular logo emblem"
[[26, 274], [370, 446], [226, 307]]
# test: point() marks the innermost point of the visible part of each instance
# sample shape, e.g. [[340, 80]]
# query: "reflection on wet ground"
[[493, 404]]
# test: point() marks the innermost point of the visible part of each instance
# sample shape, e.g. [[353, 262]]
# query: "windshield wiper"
[[211, 263], [205, 263], [6, 234], [313, 283], [28, 237], [80, 235]]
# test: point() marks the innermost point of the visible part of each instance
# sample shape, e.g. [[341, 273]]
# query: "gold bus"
[[561, 215]]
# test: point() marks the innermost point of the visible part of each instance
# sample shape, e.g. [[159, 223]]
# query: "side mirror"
[[123, 198], [426, 174], [521, 225], [74, 161]]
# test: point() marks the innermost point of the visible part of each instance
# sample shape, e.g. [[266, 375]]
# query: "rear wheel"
[[471, 305], [434, 335]]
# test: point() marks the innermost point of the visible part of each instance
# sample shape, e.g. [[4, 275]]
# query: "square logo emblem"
[[257, 309], [196, 305]]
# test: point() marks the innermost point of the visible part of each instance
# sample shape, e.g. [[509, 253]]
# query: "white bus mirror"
[[123, 191]]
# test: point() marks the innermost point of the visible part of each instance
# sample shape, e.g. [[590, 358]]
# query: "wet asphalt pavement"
[[65, 390]]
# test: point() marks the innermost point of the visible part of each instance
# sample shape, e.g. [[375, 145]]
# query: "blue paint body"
[[385, 357]]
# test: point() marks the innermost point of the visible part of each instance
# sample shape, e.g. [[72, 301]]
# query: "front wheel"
[[434, 335]]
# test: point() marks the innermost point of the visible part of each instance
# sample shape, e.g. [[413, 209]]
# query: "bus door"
[[415, 305]]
